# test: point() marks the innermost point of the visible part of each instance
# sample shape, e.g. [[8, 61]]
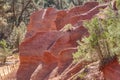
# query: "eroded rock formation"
[[46, 50], [111, 70]]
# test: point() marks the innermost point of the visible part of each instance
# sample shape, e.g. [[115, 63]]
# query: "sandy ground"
[[8, 71]]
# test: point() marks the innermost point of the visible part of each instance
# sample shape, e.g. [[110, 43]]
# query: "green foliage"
[[89, 46], [16, 36], [3, 51], [62, 4], [3, 44], [48, 3], [104, 38], [118, 4], [85, 50]]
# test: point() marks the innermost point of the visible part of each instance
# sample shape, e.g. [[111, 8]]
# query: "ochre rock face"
[[111, 71], [47, 48]]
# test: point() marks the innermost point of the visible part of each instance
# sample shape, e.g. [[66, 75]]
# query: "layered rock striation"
[[47, 50]]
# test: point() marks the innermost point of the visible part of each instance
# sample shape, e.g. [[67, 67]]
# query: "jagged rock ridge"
[[47, 51]]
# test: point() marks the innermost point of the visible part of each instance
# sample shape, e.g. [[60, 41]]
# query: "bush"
[[3, 44], [104, 38]]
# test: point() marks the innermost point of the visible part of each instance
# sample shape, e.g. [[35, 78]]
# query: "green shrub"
[[104, 38], [3, 44]]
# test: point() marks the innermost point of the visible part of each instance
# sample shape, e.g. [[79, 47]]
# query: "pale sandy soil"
[[8, 71]]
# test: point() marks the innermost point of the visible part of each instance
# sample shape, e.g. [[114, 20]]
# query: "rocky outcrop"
[[46, 50], [111, 70]]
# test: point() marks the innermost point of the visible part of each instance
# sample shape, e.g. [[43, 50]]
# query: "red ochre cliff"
[[47, 50]]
